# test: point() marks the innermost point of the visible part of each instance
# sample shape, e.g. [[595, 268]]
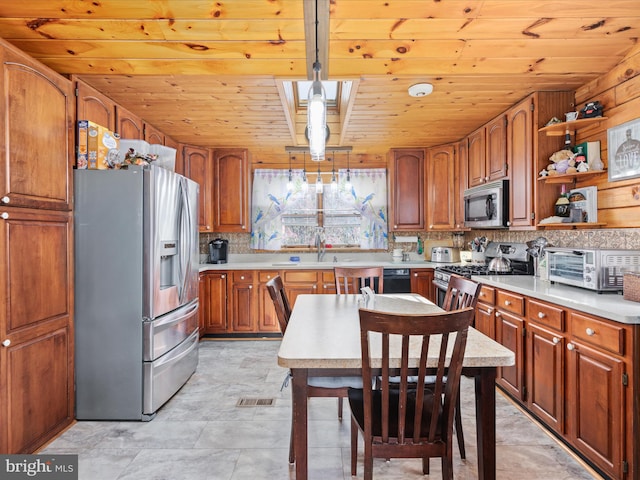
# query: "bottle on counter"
[[420, 247]]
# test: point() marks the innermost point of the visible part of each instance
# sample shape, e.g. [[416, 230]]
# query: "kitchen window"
[[291, 215]]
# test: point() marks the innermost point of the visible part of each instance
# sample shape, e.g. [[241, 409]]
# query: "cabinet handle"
[[395, 226], [497, 314], [430, 226], [490, 311], [541, 315], [243, 227], [556, 340], [315, 287], [591, 332], [208, 227], [570, 346], [223, 276], [250, 287], [241, 277], [5, 199], [4, 215], [507, 303], [6, 343], [269, 277], [415, 274], [482, 294]]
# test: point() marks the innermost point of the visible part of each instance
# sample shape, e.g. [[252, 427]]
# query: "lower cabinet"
[[574, 372], [299, 282], [485, 319], [267, 318], [422, 283], [243, 307], [213, 303]]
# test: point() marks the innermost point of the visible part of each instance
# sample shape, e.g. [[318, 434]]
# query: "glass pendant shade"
[[319, 183], [317, 117]]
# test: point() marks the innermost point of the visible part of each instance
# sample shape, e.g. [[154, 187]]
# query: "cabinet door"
[[36, 140], [460, 182], [213, 302], [36, 329], [407, 185], [520, 158], [267, 318], [128, 125], [440, 187], [170, 142], [496, 137], [477, 158], [198, 168], [243, 302], [596, 406], [545, 375], [231, 191], [485, 320], [299, 282], [94, 106], [152, 135], [422, 283], [509, 332]]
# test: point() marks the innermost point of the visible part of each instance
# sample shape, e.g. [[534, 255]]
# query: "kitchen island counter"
[[611, 306]]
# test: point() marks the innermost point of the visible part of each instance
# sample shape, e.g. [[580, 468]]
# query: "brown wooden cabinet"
[[213, 303], [36, 264], [407, 189], [128, 125], [243, 308], [510, 328], [422, 283], [441, 189], [460, 183], [231, 191], [152, 135], [199, 168], [485, 319], [488, 152], [94, 106], [36, 330], [328, 283], [298, 282], [267, 317]]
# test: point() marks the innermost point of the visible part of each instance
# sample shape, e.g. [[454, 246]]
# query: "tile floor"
[[200, 434]]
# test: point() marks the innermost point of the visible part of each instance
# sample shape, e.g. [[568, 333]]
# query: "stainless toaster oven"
[[595, 269]]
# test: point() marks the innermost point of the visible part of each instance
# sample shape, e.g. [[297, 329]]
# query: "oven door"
[[441, 283]]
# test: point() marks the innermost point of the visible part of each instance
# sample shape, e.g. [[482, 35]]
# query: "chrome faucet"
[[320, 243]]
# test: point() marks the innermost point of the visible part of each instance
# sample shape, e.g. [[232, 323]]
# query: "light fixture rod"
[[294, 149]]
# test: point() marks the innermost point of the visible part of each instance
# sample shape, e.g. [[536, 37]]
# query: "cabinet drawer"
[[546, 314], [598, 333], [328, 276], [300, 276], [243, 276], [487, 295], [510, 302], [265, 276]]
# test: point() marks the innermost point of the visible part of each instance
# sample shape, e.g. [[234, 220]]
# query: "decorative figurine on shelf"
[[561, 162], [591, 110]]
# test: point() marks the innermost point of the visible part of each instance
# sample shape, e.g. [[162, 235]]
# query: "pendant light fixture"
[[347, 184], [334, 181], [316, 108], [305, 184], [290, 182], [319, 182]]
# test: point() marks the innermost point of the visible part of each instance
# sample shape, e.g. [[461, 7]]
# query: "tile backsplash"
[[599, 238]]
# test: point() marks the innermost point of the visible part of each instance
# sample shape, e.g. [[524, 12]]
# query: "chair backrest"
[[461, 292], [280, 301], [351, 279], [433, 423]]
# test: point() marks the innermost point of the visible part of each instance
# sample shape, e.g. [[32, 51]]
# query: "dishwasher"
[[397, 280]]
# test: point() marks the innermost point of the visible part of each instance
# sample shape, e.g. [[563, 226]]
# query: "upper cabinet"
[[199, 168], [128, 125], [231, 190], [460, 182], [488, 152], [94, 106], [441, 189], [407, 189], [152, 135], [37, 138]]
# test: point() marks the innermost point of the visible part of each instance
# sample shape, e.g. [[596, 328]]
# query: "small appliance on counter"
[[445, 254], [218, 249]]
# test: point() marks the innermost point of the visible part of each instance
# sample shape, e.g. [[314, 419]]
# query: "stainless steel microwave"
[[596, 269], [487, 206]]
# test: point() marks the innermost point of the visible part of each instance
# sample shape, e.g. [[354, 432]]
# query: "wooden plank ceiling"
[[210, 73]]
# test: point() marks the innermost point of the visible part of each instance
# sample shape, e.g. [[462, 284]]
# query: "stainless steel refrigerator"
[[136, 290]]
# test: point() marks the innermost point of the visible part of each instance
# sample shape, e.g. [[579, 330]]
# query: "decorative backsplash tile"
[[599, 238]]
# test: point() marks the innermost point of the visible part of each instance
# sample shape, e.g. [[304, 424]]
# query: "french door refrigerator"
[[136, 294]]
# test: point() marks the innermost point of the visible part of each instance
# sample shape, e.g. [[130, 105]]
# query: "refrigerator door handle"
[[185, 242]]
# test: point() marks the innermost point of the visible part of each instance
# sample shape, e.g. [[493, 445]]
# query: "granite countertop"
[[606, 305]]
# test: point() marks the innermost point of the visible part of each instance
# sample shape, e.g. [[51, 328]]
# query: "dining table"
[[323, 339]]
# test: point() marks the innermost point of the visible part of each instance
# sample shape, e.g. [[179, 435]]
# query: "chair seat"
[[335, 382], [356, 403]]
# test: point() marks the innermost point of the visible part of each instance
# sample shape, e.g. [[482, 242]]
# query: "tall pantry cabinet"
[[36, 267]]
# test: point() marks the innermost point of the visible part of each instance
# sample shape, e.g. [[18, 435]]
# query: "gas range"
[[521, 263]]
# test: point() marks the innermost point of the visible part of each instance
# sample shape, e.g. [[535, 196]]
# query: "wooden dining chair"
[[316, 386], [352, 279], [408, 422]]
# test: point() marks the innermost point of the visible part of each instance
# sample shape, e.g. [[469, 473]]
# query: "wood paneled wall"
[[619, 93]]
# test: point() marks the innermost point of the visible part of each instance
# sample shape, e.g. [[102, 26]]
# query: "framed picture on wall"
[[624, 150]]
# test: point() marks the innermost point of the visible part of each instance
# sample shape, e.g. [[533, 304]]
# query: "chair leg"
[[340, 408], [368, 461], [447, 464], [425, 465], [292, 451], [459, 434], [354, 447]]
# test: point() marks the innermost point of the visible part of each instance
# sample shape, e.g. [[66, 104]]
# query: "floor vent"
[[255, 402]]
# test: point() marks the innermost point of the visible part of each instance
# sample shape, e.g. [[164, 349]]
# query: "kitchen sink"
[[305, 264]]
